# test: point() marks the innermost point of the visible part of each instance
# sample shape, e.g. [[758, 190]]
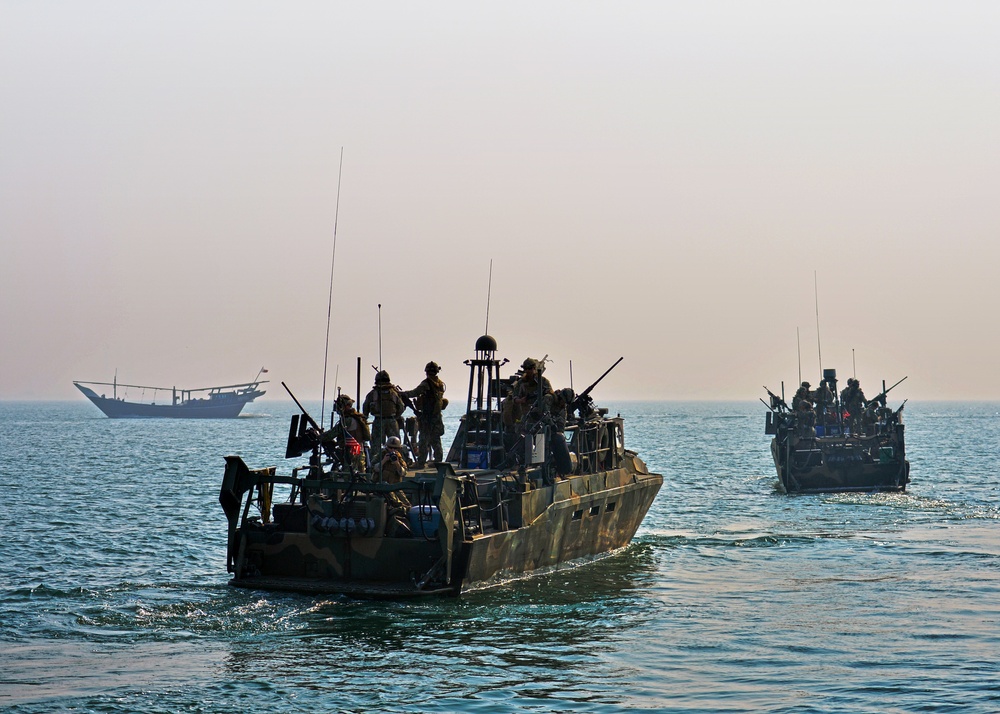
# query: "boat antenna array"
[[329, 304]]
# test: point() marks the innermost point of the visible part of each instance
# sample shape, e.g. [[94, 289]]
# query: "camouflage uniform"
[[802, 404], [802, 395], [854, 402], [824, 401], [526, 391], [384, 404], [392, 467], [430, 401], [351, 422], [556, 404]]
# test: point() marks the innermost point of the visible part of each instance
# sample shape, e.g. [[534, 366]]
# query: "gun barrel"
[[587, 391], [301, 408]]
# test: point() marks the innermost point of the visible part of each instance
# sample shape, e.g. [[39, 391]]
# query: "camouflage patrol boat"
[[835, 450], [501, 506]]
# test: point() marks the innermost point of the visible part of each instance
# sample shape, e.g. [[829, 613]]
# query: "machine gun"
[[777, 403], [583, 402], [300, 440], [880, 397]]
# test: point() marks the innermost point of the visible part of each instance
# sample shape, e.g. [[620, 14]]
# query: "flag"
[[263, 371], [353, 447]]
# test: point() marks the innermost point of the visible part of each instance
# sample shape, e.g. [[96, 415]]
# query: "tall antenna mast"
[[854, 364], [798, 346], [819, 348], [489, 289], [380, 337], [329, 304]]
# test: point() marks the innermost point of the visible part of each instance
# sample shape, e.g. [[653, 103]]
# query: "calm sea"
[[732, 597]]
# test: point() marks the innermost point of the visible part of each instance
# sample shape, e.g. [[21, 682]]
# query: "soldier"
[[350, 423], [853, 399], [802, 405], [430, 401], [556, 405], [384, 404], [802, 394], [526, 391], [393, 464], [824, 401], [392, 469]]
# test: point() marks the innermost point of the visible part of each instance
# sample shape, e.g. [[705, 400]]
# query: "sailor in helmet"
[[429, 396], [802, 394], [349, 434], [385, 406], [393, 464], [532, 385]]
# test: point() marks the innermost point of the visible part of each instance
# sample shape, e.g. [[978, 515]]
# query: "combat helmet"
[[432, 367], [382, 378], [529, 363]]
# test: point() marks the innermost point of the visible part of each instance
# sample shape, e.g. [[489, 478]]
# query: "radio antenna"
[[329, 304], [489, 289], [798, 345], [819, 348], [380, 337]]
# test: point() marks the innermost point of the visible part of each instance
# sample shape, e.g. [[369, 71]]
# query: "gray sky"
[[659, 180]]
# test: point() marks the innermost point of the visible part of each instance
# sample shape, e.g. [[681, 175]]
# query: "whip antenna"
[[818, 346], [489, 288], [329, 304], [380, 337], [798, 345]]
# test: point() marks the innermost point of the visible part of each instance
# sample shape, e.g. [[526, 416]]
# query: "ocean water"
[[731, 598]]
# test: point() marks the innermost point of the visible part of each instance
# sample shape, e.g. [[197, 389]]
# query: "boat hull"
[[837, 466], [578, 519], [577, 527]]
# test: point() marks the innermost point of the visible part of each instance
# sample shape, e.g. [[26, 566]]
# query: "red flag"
[[353, 447]]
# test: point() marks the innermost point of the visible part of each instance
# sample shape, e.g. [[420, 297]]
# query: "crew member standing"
[[430, 424], [385, 406]]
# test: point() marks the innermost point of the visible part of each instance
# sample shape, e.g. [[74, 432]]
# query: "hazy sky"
[[655, 180]]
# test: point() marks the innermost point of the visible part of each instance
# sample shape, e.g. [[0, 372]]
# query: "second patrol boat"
[[823, 444], [504, 504]]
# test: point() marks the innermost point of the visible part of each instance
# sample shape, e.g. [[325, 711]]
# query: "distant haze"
[[668, 182]]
